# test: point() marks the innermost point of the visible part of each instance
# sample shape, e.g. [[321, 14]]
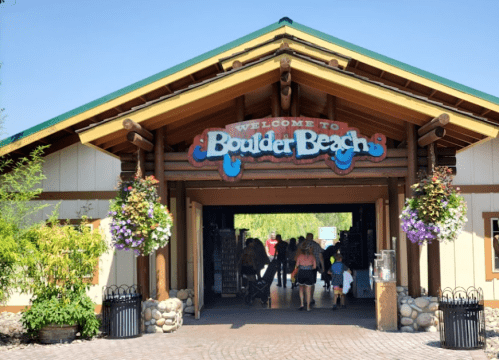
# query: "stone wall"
[[167, 316], [416, 314]]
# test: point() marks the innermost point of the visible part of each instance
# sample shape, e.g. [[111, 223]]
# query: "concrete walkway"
[[257, 333], [228, 329]]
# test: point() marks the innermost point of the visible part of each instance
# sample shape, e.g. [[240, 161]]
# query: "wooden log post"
[[162, 254], [286, 98], [275, 101], [285, 82], [331, 107], [240, 110], [434, 275], [142, 261], [295, 101], [395, 224], [181, 224], [412, 249]]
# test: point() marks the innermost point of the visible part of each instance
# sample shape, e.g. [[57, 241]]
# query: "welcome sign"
[[289, 139]]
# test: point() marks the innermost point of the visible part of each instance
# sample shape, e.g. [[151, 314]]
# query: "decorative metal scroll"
[[471, 295]]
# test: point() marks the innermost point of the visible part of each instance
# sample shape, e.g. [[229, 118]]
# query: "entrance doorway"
[[226, 229]]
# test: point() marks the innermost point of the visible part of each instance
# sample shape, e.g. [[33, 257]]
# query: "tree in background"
[[290, 225]]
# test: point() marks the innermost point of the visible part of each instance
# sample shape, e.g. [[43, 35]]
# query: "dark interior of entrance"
[[223, 245]]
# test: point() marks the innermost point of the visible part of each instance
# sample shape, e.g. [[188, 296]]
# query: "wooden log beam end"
[[139, 141], [439, 121], [333, 63], [432, 136], [132, 126], [237, 64], [285, 64]]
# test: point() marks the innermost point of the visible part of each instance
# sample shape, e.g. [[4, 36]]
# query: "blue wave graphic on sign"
[[231, 169], [199, 155]]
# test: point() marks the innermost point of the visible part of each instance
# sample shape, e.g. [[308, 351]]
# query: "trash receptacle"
[[462, 319], [121, 312]]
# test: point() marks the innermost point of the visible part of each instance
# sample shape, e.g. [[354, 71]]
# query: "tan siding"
[[173, 246], [479, 164], [464, 168], [69, 168], [403, 246], [190, 249], [51, 170], [481, 203], [482, 164], [463, 252], [447, 265], [87, 177], [108, 170], [495, 160]]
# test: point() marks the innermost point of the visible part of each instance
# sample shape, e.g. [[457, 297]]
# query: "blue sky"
[[57, 55]]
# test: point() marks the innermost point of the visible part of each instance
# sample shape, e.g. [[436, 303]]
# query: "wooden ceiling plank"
[[210, 101], [361, 110], [369, 129], [376, 104], [216, 110], [114, 142], [378, 121]]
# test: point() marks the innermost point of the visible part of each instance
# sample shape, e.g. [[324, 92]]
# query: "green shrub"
[[49, 309], [8, 259], [60, 263], [61, 259]]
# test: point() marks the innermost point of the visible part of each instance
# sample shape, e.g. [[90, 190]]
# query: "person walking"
[[261, 256], [291, 257], [336, 272], [319, 260], [306, 277], [280, 253], [247, 263]]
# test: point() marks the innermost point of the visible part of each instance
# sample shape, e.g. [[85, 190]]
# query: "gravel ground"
[[13, 335], [492, 332]]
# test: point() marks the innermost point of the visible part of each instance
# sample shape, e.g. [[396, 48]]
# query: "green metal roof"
[[282, 22]]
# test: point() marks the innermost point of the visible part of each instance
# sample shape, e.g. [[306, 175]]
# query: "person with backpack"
[[336, 272]]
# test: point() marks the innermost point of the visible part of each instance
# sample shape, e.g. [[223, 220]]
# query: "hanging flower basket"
[[140, 223], [436, 211]]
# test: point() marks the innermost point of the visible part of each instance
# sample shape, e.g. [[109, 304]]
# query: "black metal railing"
[[462, 319], [121, 311]]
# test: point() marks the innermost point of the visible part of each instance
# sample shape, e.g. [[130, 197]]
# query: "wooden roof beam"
[[132, 126], [378, 97]]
